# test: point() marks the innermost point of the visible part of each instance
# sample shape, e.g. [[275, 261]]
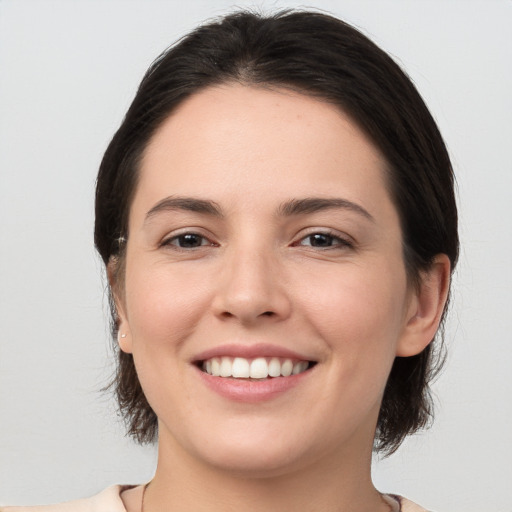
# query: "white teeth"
[[259, 368], [240, 368], [286, 368], [299, 367], [274, 367], [215, 367], [226, 367]]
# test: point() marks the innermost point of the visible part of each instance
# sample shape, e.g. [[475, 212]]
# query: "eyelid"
[[346, 240], [166, 240]]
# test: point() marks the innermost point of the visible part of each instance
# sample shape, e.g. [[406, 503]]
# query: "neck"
[[334, 483]]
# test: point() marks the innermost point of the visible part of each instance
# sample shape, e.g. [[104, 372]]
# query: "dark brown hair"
[[320, 56]]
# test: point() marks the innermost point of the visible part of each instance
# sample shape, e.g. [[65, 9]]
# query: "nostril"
[[268, 313]]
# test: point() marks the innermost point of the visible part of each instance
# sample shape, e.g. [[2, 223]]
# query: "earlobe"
[[426, 308], [124, 339]]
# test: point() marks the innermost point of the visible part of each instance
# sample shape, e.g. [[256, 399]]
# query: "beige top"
[[110, 500]]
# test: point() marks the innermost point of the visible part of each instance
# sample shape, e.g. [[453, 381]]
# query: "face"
[[263, 242]]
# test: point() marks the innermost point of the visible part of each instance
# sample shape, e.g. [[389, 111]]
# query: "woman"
[[277, 219]]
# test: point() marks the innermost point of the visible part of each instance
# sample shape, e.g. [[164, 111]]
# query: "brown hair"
[[324, 57]]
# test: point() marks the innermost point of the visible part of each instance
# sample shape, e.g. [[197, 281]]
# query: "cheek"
[[357, 310], [360, 318], [163, 305]]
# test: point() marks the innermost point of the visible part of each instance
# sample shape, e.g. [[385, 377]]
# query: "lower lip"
[[250, 391]]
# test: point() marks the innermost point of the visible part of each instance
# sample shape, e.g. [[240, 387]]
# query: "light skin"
[[263, 217]]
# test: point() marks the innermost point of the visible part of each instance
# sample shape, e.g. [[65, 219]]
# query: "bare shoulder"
[[400, 504], [409, 506], [108, 500]]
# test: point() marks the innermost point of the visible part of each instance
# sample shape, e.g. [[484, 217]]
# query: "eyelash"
[[329, 236], [337, 241], [169, 241]]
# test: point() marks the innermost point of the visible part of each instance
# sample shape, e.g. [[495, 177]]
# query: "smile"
[[256, 368]]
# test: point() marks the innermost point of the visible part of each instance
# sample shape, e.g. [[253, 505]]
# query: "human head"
[[323, 57]]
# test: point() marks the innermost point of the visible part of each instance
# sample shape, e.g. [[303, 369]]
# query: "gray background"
[[68, 70]]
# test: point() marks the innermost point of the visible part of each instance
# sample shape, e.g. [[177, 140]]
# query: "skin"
[[257, 276]]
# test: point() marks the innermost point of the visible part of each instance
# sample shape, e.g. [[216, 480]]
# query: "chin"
[[257, 452], [253, 462]]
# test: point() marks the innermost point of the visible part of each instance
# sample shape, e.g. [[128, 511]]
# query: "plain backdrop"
[[68, 71]]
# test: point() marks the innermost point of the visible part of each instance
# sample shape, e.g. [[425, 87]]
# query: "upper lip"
[[250, 352]]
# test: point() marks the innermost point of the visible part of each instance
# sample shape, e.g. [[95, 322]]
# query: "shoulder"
[[401, 504], [108, 500], [409, 506]]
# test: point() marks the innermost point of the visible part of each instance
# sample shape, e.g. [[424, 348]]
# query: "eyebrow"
[[317, 204], [287, 209], [190, 204]]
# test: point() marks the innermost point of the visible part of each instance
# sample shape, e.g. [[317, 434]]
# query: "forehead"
[[232, 140]]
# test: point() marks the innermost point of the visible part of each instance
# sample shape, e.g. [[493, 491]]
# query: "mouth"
[[259, 368]]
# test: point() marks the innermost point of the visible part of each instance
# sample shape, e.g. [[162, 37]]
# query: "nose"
[[251, 289]]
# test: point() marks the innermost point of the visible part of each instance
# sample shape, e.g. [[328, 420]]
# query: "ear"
[[124, 338], [425, 308]]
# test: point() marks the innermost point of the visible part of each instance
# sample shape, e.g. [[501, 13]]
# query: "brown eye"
[[188, 241], [324, 241], [320, 240]]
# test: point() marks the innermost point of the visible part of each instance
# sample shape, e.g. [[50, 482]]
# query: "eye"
[[187, 241], [323, 241]]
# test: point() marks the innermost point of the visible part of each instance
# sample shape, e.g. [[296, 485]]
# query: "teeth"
[[287, 368], [274, 367], [259, 368], [226, 367], [215, 367], [240, 368], [299, 367]]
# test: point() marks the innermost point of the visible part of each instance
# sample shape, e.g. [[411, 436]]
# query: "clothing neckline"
[[392, 500]]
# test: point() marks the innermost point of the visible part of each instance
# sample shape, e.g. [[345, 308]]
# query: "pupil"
[[189, 241], [320, 240]]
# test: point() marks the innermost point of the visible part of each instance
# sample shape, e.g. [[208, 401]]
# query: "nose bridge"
[[251, 283]]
